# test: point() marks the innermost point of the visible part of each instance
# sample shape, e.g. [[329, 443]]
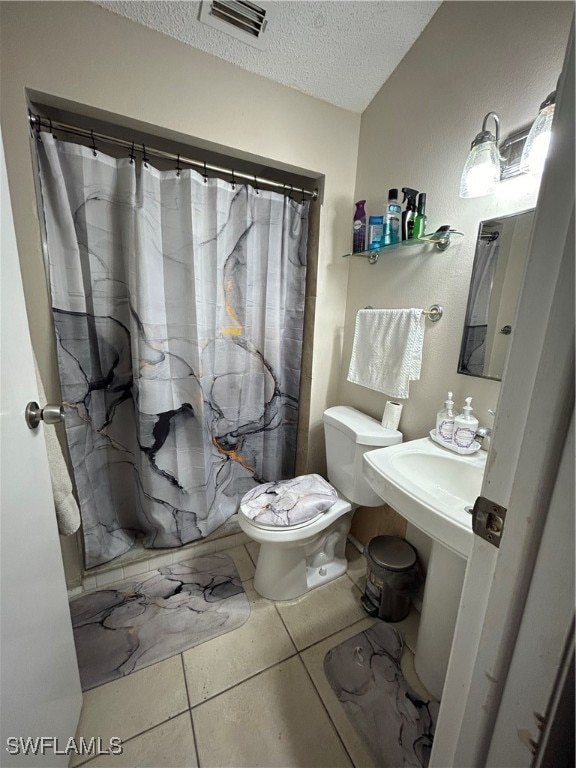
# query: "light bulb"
[[481, 172], [536, 147]]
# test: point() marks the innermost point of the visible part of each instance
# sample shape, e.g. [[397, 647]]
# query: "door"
[[485, 689], [40, 686]]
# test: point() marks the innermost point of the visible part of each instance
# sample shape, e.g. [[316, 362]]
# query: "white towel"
[[67, 512], [387, 350]]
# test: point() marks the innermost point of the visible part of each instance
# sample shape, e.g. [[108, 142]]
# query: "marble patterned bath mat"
[[149, 618], [394, 722]]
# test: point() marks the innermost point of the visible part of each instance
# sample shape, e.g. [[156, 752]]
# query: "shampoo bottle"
[[465, 427], [420, 220], [445, 420], [359, 228], [409, 214], [392, 216]]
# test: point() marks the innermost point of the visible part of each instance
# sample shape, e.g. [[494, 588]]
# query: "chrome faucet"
[[483, 432]]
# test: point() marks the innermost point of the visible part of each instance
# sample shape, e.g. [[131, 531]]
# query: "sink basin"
[[430, 486]]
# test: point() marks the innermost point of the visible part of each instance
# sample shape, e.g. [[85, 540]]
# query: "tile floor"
[[256, 696]]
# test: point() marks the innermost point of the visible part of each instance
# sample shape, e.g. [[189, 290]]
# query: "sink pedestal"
[[440, 603]]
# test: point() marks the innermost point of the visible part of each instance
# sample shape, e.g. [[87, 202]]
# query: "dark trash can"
[[392, 578]]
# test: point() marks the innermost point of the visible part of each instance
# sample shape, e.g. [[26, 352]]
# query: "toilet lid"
[[288, 503]]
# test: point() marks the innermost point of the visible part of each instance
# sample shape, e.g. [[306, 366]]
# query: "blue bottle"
[[375, 232], [392, 219]]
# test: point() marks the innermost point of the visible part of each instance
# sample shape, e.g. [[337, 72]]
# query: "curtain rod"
[[38, 123]]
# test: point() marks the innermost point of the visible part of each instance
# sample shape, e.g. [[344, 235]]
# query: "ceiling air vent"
[[243, 20]]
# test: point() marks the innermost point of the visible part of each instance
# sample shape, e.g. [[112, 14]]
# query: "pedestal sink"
[[432, 488]]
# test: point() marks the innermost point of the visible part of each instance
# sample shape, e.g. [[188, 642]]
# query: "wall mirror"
[[501, 251]]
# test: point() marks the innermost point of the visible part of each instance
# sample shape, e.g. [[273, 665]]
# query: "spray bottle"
[[409, 214], [359, 228]]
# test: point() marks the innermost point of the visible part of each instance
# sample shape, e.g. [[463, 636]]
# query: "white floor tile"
[[136, 569], [313, 659], [253, 548], [243, 562], [275, 719], [228, 659], [129, 706], [109, 577], [322, 612], [170, 745], [356, 566]]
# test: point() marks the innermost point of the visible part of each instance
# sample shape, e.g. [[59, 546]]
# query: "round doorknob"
[[50, 414]]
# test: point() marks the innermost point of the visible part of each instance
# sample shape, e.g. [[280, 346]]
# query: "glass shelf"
[[441, 239]]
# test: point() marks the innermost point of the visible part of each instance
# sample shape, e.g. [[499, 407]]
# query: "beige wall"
[[78, 52], [82, 53], [473, 58]]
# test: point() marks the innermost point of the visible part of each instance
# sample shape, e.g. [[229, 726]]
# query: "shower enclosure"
[[178, 305]]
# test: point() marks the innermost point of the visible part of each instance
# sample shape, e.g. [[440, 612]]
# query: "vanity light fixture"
[[538, 141], [523, 152], [481, 172]]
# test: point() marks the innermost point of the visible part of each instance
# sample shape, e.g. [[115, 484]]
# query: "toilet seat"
[[286, 533], [268, 527]]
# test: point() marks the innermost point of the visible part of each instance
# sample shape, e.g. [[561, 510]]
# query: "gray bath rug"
[[395, 723], [154, 616]]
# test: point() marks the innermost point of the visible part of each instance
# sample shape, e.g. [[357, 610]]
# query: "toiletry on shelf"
[[445, 420], [359, 228], [375, 232], [392, 216], [465, 426], [420, 220], [409, 213]]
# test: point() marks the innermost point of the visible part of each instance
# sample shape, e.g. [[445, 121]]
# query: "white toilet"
[[295, 559]]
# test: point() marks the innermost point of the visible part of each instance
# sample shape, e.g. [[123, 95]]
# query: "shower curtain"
[[178, 307]]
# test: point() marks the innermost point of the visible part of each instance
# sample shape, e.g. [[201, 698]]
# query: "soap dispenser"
[[445, 420], [465, 426]]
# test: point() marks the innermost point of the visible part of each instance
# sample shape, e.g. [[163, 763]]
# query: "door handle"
[[50, 414]]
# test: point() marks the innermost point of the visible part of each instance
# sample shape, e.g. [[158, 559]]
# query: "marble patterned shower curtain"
[[178, 308]]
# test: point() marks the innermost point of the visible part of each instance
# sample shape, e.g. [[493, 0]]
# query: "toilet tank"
[[349, 434]]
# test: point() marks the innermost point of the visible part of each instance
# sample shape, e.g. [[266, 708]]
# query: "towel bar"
[[434, 313]]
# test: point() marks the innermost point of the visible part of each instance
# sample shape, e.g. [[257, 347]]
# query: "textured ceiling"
[[338, 51]]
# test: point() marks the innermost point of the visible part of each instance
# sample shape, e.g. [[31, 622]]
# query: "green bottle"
[[420, 220]]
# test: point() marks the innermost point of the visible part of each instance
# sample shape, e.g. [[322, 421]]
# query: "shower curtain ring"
[[291, 190], [205, 174], [93, 145], [132, 155], [178, 169], [144, 158], [303, 196], [233, 180], [256, 184]]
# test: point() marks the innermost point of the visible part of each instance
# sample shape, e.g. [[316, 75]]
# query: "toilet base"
[[289, 570]]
